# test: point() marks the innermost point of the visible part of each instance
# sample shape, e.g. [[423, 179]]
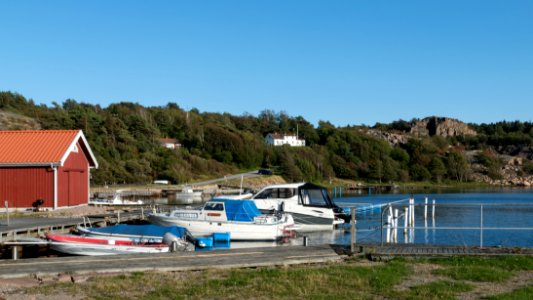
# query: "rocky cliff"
[[445, 127]]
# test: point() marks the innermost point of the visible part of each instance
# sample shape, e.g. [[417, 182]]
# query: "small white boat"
[[240, 218], [187, 196], [309, 204], [92, 246], [115, 201], [137, 233]]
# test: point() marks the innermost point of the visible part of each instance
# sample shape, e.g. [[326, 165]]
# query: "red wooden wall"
[[73, 180], [23, 186]]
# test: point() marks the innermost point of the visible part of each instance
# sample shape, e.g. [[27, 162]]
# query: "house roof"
[[41, 147], [168, 141], [279, 136]]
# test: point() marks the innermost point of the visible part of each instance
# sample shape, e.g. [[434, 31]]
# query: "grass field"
[[509, 277]]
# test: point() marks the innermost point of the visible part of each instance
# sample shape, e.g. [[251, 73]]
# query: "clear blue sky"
[[347, 62]]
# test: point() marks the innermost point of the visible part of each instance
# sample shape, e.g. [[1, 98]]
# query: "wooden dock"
[[35, 227], [179, 261], [378, 252]]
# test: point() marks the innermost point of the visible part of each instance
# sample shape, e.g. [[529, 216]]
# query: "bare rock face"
[[11, 121], [390, 137], [444, 127]]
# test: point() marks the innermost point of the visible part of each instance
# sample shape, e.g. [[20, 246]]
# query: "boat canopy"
[[240, 210], [142, 230], [314, 195]]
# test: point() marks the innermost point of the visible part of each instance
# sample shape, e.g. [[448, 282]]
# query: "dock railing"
[[390, 216]]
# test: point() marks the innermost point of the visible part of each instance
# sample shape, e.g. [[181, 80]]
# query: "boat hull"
[[98, 249], [79, 245], [239, 231]]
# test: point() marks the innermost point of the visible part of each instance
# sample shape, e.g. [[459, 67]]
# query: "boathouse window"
[[214, 206]]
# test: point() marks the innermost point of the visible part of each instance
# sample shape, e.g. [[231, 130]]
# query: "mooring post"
[[395, 222], [389, 220], [142, 213], [118, 217], [14, 252], [426, 208], [405, 217], [433, 210], [413, 212], [353, 230]]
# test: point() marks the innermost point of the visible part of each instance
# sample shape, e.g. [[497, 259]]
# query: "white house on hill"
[[276, 139], [170, 143]]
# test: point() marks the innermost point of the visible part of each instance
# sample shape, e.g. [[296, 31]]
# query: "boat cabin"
[[223, 210], [307, 194]]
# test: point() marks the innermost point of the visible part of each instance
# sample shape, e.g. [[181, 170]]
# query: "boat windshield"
[[315, 197], [276, 193], [214, 206]]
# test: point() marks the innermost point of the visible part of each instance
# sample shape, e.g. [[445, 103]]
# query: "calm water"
[[511, 209]]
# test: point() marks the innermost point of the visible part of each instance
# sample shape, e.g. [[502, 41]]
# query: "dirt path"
[[484, 289]]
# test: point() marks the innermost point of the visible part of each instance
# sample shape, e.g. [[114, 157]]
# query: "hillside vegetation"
[[125, 139]]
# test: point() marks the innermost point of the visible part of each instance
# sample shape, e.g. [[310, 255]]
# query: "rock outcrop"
[[444, 127], [391, 137]]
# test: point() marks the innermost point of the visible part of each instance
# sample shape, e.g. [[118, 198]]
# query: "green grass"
[[519, 294], [436, 290], [339, 281], [508, 263], [483, 269], [348, 280], [476, 273]]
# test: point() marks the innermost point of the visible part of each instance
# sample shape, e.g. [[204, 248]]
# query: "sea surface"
[[487, 217], [502, 217]]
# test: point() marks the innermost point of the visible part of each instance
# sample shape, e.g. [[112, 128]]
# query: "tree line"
[[125, 139]]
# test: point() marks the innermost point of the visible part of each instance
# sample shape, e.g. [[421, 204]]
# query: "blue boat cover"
[[240, 210], [142, 230]]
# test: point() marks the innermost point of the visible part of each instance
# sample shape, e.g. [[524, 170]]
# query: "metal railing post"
[[481, 227], [353, 230]]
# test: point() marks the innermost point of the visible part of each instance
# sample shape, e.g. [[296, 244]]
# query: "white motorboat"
[[115, 201], [240, 218], [309, 204], [188, 195]]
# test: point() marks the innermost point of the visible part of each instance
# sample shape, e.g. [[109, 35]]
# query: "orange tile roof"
[[35, 146]]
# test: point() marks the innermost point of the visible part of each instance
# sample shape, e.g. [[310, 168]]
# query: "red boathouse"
[[45, 168]]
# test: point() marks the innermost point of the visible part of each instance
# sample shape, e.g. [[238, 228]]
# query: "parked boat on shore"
[[240, 218], [309, 204]]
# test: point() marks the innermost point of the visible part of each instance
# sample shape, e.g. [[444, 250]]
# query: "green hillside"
[[125, 139]]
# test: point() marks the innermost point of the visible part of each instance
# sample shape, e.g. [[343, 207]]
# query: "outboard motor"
[[341, 214], [175, 243]]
